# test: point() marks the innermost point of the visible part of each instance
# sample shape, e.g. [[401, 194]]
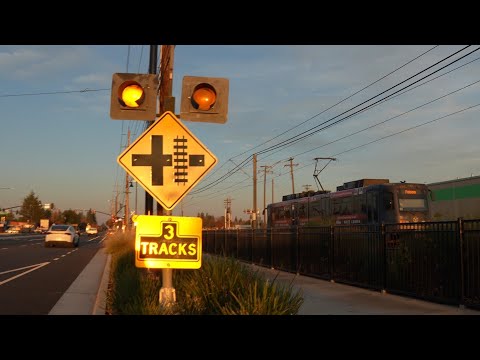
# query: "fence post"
[[271, 237], [297, 246], [332, 253], [460, 252], [383, 236]]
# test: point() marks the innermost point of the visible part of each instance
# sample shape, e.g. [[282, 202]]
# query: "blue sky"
[[64, 146]]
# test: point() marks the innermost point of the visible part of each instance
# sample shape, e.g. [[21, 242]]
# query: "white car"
[[13, 230], [62, 235], [92, 231]]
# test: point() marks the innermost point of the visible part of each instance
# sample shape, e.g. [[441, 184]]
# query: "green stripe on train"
[[461, 192]]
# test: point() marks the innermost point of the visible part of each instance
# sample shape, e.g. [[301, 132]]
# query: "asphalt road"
[[33, 278]]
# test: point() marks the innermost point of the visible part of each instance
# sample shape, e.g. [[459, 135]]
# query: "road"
[[33, 278]]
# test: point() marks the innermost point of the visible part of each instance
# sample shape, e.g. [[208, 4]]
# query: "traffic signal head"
[[204, 99], [134, 96]]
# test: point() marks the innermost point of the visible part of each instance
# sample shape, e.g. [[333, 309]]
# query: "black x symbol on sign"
[[158, 160]]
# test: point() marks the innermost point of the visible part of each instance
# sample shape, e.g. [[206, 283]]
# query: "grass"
[[222, 286]]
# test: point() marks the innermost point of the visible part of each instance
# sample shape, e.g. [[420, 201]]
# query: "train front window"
[[412, 204], [388, 201]]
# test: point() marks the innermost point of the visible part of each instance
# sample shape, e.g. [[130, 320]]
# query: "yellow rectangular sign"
[[168, 242]]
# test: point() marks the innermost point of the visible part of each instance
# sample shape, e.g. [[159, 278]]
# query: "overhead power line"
[[316, 128], [55, 92]]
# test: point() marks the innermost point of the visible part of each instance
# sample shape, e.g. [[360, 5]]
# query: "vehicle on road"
[[62, 235], [14, 230], [92, 231]]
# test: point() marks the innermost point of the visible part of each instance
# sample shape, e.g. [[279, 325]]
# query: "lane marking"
[[33, 268]]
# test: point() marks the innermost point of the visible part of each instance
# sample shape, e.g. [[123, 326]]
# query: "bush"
[[222, 286]]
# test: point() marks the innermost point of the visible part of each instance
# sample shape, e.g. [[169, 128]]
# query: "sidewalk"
[[322, 297], [87, 295]]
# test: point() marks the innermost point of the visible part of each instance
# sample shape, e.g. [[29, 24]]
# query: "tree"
[[208, 221], [32, 210], [91, 217], [71, 217]]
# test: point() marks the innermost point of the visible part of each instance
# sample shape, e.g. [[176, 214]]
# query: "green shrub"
[[222, 286]]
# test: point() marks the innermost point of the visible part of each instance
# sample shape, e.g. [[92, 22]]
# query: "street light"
[[136, 187]]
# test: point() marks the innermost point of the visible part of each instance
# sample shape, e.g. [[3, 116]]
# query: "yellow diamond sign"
[[167, 160]]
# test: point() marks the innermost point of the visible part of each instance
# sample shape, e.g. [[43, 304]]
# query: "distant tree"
[[31, 210], [91, 217], [71, 217], [208, 221], [220, 222], [57, 217], [47, 214]]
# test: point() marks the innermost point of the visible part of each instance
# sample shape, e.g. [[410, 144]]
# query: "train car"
[[364, 201], [455, 198]]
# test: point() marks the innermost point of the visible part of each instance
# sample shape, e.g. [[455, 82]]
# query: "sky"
[[401, 112]]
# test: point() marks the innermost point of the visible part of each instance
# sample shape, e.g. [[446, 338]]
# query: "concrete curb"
[[82, 297], [100, 306]]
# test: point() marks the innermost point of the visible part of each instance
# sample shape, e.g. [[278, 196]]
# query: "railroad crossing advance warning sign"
[[167, 160], [172, 242]]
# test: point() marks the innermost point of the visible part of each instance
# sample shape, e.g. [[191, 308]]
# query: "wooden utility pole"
[[265, 171], [228, 212], [152, 69], [254, 214], [127, 193], [167, 103], [291, 173], [272, 192], [166, 100]]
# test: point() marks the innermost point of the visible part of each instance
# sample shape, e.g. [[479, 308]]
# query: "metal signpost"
[[167, 160]]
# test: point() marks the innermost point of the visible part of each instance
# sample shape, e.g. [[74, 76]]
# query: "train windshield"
[[412, 204]]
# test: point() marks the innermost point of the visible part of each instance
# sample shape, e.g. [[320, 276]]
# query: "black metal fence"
[[434, 261]]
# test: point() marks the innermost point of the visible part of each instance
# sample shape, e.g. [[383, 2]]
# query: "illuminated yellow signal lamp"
[[134, 96], [204, 99]]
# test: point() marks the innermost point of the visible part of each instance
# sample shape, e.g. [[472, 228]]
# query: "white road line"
[[33, 268]]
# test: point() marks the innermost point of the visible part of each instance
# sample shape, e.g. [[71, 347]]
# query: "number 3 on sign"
[[168, 232]]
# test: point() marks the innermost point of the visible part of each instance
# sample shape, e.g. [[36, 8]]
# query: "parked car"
[[92, 231], [59, 235], [14, 230]]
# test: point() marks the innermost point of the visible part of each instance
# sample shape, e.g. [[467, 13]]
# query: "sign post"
[[167, 160]]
